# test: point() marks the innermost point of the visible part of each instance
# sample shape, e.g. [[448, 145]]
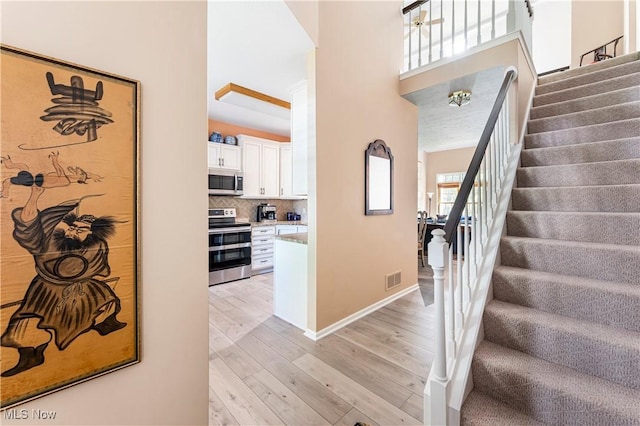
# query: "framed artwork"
[[69, 224]]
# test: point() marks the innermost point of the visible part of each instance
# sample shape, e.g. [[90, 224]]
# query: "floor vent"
[[392, 280]]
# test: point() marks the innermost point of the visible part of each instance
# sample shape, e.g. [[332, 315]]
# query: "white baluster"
[[451, 336], [441, 32], [479, 23], [493, 19], [459, 307], [430, 33]]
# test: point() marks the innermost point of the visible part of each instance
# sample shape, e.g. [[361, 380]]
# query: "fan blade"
[[435, 21], [423, 15]]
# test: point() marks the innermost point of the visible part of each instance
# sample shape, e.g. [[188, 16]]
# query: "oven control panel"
[[222, 213]]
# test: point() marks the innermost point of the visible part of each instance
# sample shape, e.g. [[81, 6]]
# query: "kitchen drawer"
[[263, 230], [262, 262], [262, 240], [261, 251]]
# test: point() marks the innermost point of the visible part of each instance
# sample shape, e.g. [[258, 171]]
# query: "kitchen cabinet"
[[300, 132], [224, 156], [262, 249], [286, 178], [261, 167]]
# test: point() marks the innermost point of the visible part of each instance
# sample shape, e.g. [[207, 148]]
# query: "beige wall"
[[451, 161], [594, 23], [132, 39], [357, 101]]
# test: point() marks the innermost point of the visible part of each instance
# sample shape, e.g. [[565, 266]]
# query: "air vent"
[[392, 280]]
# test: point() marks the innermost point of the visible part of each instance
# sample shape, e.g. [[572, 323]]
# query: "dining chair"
[[422, 232]]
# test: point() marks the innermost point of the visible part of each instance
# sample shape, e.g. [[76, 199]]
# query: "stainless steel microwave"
[[225, 182]]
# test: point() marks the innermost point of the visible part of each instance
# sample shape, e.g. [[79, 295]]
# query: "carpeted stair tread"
[[629, 81], [618, 172], [620, 129], [607, 352], [586, 103], [479, 409], [550, 78], [605, 114], [610, 150], [591, 77], [595, 227], [604, 302], [604, 198], [549, 392], [606, 262]]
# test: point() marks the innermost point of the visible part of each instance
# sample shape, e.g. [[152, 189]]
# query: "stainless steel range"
[[229, 247]]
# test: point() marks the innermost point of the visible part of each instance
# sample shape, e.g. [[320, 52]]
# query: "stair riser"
[[602, 303], [617, 228], [587, 103], [611, 198], [595, 133], [586, 118], [623, 59], [623, 82], [571, 348], [620, 149], [603, 173], [539, 401], [600, 262], [593, 77]]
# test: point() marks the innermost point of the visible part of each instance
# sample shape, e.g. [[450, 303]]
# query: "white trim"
[[317, 335]]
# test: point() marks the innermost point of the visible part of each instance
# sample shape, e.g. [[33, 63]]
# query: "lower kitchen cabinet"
[[262, 249]]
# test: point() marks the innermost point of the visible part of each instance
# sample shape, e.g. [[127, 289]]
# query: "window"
[[448, 185]]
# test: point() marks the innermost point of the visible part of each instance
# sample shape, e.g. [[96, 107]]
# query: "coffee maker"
[[266, 213]]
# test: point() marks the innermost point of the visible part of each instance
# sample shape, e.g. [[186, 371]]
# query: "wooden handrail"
[[468, 182], [414, 5]]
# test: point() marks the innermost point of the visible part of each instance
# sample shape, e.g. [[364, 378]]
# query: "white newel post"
[[437, 254]]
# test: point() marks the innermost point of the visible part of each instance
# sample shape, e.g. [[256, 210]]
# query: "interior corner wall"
[[551, 35], [594, 23], [358, 101], [163, 45]]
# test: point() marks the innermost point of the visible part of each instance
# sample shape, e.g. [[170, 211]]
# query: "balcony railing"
[[438, 29]]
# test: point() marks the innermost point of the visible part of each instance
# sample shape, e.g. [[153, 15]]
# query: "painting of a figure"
[[69, 255]]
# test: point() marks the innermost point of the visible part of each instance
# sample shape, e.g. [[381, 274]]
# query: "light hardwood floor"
[[264, 371]]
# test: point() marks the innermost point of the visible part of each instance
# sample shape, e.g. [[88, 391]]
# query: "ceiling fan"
[[421, 24]]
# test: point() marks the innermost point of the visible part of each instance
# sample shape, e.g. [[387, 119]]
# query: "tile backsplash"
[[247, 209]]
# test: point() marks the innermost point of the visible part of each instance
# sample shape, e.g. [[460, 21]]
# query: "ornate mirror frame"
[[378, 179]]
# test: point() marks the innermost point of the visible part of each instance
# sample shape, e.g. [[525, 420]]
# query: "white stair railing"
[[438, 29], [460, 247]]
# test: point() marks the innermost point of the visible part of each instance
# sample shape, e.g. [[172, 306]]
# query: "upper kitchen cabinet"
[[224, 156], [285, 171], [261, 167], [299, 137]]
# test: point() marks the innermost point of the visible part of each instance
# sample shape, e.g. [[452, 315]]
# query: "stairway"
[[562, 332]]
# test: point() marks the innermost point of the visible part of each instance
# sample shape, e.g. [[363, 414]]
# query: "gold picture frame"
[[69, 224]]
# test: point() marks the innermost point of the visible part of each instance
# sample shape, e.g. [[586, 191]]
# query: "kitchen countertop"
[[279, 222], [300, 238]]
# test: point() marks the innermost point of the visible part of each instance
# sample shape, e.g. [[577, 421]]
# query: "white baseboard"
[[317, 335]]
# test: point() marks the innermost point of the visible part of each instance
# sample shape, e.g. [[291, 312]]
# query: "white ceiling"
[[441, 126], [259, 45]]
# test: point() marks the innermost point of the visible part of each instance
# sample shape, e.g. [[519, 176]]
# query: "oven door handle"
[[229, 230], [229, 247]]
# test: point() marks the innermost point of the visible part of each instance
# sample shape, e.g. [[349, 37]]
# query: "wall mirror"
[[378, 178]]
